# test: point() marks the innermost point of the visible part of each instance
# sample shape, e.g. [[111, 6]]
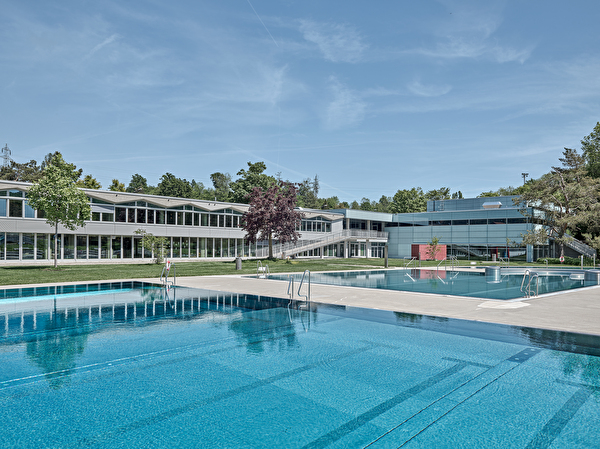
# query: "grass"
[[100, 272]]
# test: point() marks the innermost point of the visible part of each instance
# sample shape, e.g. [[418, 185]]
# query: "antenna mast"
[[5, 155]]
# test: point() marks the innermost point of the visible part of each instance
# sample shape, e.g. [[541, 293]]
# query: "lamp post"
[[524, 175]]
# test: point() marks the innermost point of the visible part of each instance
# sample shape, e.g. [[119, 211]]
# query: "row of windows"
[[35, 246], [466, 222]]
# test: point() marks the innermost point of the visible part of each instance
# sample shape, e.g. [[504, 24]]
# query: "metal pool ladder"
[[262, 272], [307, 296], [526, 286], [164, 276]]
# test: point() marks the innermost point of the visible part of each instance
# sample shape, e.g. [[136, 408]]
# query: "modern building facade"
[[471, 229]]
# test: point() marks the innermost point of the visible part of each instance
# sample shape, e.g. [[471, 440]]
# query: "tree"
[[221, 182], [138, 184], [27, 172], [590, 145], [503, 191], [432, 248], [89, 182], [242, 187], [567, 197], [158, 245], [169, 185], [272, 215], [365, 204], [412, 200], [442, 193], [306, 195], [117, 186], [58, 197]]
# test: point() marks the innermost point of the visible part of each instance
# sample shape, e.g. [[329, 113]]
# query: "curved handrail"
[[307, 296]]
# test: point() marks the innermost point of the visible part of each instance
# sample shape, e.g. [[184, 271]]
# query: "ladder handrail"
[[164, 275], [262, 271], [290, 289], [307, 296]]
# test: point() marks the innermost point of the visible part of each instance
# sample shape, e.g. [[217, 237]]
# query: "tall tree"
[[272, 215], [442, 193], [169, 185], [89, 182], [412, 200], [249, 179], [221, 182], [568, 198], [116, 186], [306, 195], [590, 145], [138, 184], [58, 197]]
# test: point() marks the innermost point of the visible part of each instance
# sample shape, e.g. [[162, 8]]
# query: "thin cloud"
[[417, 88], [337, 42], [101, 45], [345, 109]]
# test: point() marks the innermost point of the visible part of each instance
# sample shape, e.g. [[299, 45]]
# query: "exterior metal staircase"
[[290, 249]]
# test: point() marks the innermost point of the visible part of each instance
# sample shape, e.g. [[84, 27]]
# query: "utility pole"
[[5, 155], [524, 175]]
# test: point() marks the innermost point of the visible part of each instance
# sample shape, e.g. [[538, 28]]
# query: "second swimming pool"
[[456, 283]]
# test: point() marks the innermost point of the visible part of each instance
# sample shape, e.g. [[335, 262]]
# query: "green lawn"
[[100, 272]]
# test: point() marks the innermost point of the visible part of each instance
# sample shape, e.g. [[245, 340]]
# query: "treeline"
[[224, 188]]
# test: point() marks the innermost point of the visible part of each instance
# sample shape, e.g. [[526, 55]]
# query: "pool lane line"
[[554, 427], [369, 415], [155, 419]]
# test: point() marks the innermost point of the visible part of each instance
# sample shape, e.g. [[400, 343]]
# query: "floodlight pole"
[[524, 175]]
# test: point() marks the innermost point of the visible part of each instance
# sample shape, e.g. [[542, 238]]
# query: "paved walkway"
[[573, 311]]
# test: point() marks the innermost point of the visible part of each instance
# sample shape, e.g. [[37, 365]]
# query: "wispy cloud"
[[432, 90], [104, 43], [337, 42], [346, 108]]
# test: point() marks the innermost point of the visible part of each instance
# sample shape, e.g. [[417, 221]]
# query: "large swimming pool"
[[492, 284], [137, 366]]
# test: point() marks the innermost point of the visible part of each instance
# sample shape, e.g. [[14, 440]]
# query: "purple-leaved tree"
[[272, 215]]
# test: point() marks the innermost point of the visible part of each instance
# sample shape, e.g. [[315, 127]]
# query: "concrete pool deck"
[[571, 311]]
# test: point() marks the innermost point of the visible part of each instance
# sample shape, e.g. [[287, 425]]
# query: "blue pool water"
[[191, 368], [441, 282]]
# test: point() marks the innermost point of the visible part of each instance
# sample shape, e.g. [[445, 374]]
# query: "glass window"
[[68, 246], [231, 247], [517, 220], [28, 246], [150, 213], [42, 246], [137, 245], [29, 211], [130, 215], [180, 221], [12, 246], [228, 221], [127, 247], [209, 247], [193, 247], [160, 217], [214, 220], [497, 220], [203, 219], [460, 222], [93, 246], [203, 252], [15, 193], [58, 244], [15, 208], [170, 217], [95, 216], [225, 249], [221, 221], [104, 247], [176, 247], [120, 214], [2, 245], [196, 219], [478, 221], [108, 216], [116, 248], [189, 219], [217, 248], [2, 208], [82, 247], [141, 215], [185, 247]]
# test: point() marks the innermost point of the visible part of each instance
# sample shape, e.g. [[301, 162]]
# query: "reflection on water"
[[56, 349]]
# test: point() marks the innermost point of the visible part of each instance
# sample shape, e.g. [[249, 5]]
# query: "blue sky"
[[371, 96]]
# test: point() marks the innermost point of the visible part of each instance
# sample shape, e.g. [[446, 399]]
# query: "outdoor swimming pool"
[[502, 285], [142, 367]]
